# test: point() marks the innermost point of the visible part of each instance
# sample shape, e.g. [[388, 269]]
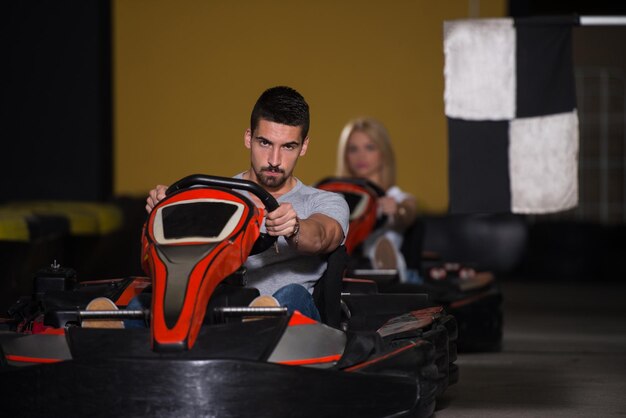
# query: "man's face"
[[274, 150]]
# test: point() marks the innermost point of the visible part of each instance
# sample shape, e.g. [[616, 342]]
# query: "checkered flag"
[[510, 102]]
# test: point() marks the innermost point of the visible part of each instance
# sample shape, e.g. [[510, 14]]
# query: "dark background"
[[56, 100]]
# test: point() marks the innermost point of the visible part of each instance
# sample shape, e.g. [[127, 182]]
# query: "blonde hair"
[[379, 135]]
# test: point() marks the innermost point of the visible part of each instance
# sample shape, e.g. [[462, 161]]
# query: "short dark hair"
[[282, 105]]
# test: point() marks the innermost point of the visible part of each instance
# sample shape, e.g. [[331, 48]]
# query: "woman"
[[365, 152]]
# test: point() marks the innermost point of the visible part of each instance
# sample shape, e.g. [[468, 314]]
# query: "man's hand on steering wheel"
[[155, 196], [281, 221]]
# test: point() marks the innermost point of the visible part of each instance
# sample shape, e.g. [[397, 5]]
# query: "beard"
[[271, 181]]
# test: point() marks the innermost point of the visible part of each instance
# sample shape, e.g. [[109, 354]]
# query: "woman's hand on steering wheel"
[[387, 206]]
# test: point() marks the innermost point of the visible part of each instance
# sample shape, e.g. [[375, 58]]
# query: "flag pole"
[[602, 20]]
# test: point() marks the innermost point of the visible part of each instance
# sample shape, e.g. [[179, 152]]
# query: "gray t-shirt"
[[269, 271]]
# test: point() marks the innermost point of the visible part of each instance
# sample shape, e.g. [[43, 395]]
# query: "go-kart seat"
[[327, 290], [413, 245]]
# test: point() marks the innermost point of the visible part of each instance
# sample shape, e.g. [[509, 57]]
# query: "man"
[[308, 223]]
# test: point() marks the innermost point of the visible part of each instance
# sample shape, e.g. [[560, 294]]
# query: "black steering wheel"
[[354, 180], [264, 241], [364, 183]]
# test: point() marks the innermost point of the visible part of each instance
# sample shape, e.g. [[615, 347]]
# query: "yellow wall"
[[187, 74]]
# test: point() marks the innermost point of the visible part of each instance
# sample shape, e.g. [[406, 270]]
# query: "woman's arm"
[[401, 214]]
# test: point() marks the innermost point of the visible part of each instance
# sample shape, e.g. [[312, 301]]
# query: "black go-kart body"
[[473, 297], [205, 352]]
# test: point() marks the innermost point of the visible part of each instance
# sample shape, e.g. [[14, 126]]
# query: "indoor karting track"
[[564, 355]]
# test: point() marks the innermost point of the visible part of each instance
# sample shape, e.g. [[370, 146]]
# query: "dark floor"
[[564, 355]]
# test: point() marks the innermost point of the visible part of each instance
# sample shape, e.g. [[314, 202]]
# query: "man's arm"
[[317, 234]]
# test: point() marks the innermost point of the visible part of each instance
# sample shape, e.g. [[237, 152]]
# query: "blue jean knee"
[[296, 297], [140, 302]]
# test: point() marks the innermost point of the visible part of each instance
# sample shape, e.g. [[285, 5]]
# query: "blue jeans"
[[141, 301], [296, 297], [293, 297]]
